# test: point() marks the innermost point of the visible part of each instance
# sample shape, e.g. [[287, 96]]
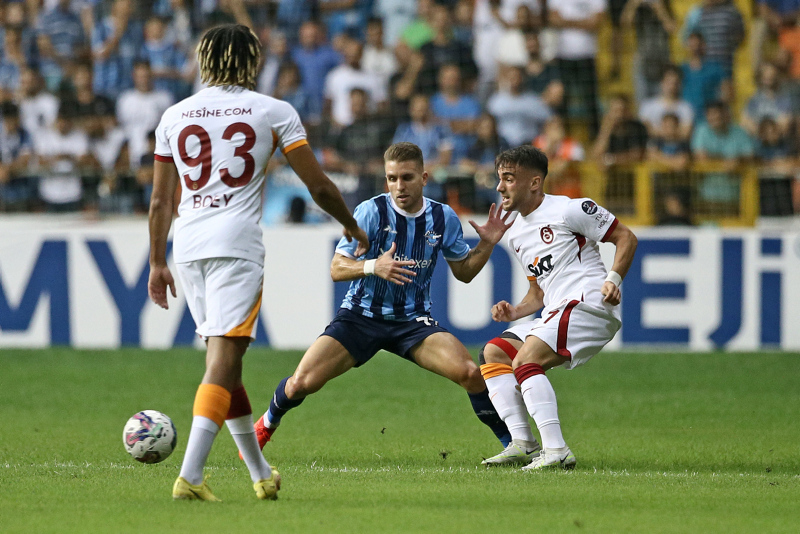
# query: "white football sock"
[[243, 434], [201, 438], [507, 400], [540, 399]]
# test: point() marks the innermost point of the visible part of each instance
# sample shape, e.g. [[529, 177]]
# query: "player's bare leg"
[[533, 359], [446, 356], [324, 360], [504, 392]]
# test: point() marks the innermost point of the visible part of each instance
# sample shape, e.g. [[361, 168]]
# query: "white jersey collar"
[[401, 211]]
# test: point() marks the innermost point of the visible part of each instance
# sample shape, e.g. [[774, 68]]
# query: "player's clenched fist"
[[503, 312], [393, 270], [611, 293]]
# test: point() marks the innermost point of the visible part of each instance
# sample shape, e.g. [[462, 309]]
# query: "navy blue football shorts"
[[363, 336]]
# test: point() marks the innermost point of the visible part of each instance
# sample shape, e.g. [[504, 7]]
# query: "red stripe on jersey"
[[524, 372], [163, 159], [610, 230], [563, 326], [504, 345], [581, 241]]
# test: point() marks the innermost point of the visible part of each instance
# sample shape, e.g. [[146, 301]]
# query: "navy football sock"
[[280, 403], [485, 411]]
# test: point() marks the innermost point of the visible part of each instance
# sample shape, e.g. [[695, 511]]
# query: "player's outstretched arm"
[[625, 241], [344, 269], [326, 194], [165, 182], [504, 312], [490, 234]]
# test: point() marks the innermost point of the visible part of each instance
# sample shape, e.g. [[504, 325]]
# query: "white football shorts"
[[573, 329], [223, 294]]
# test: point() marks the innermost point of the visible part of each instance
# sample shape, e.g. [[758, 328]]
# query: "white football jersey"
[[221, 140], [556, 245]]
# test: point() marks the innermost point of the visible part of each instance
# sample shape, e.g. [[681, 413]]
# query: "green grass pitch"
[[665, 443]]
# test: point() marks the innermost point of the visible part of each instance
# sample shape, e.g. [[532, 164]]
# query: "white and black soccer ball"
[[149, 436]]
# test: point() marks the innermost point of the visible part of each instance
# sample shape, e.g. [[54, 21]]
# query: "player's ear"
[[424, 178], [536, 182]]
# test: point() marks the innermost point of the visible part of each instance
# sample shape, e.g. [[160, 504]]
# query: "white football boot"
[[552, 459], [517, 452]]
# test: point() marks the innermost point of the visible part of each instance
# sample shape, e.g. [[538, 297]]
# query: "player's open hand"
[[359, 235], [611, 293], [495, 226], [503, 312], [393, 270], [160, 280]]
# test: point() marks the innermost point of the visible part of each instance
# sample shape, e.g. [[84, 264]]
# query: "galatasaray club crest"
[[547, 234]]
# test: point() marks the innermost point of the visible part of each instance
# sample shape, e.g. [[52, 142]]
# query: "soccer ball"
[[149, 436]]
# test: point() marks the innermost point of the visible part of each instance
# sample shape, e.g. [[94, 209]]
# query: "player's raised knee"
[[301, 385]]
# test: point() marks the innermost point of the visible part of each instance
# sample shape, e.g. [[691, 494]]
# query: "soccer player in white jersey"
[[217, 144], [555, 240]]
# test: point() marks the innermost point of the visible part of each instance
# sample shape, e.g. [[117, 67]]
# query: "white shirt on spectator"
[[61, 182], [379, 62], [653, 110], [138, 114], [106, 149], [38, 113], [574, 43], [343, 79]]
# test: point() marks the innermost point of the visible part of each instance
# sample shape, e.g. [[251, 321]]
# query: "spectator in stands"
[[346, 77], [139, 109], [457, 109], [578, 23], [110, 162], [668, 146], [444, 49], [12, 61], [654, 24], [789, 52], [291, 16], [60, 39], [16, 16], [722, 27], [622, 139], [770, 101], [360, 146], [16, 149], [167, 60], [669, 101], [463, 16], [340, 16], [88, 102], [704, 80], [116, 42], [275, 54], [777, 167], [62, 151], [405, 82], [420, 31], [315, 59], [480, 160], [772, 17], [291, 90], [38, 108], [433, 138], [543, 77], [676, 208], [378, 58], [396, 15], [718, 139], [520, 114], [561, 151], [144, 174]]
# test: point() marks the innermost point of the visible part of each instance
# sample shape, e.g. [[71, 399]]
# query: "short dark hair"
[[9, 109], [525, 156], [716, 104], [404, 151]]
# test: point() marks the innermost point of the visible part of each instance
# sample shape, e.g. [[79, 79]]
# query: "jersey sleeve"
[[454, 247], [587, 218], [287, 130], [163, 151], [366, 215]]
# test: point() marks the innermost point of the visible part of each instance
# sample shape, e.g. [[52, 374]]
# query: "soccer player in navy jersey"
[[388, 305]]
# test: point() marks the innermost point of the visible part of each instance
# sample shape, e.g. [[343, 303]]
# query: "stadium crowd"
[[83, 84]]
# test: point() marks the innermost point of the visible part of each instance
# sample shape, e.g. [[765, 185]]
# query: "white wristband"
[[369, 267], [614, 278]]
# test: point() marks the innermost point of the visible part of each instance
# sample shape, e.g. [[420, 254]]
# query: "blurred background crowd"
[[666, 111]]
